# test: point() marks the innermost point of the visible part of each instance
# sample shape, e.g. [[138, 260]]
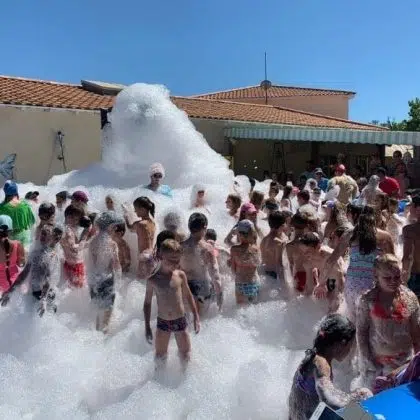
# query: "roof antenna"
[[265, 84]]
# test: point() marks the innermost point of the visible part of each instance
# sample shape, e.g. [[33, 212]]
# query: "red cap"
[[340, 168]]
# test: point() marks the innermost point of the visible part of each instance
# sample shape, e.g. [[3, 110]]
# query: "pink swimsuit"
[[13, 269]]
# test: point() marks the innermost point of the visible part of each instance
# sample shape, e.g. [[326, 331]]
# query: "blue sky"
[[196, 46]]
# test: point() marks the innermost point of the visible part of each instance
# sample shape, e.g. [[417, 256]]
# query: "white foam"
[[243, 360]]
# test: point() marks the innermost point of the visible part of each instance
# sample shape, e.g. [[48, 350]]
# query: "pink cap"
[[80, 196], [248, 208]]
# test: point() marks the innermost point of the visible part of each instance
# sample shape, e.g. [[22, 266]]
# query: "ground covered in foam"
[[60, 367]]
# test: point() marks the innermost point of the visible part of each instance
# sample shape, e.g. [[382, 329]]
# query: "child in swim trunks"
[[313, 380], [105, 268], [44, 268], [124, 253], [245, 259], [73, 247], [388, 323], [170, 286], [272, 247], [315, 257], [145, 229], [199, 263]]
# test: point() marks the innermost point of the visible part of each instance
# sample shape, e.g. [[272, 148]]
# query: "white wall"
[[30, 132]]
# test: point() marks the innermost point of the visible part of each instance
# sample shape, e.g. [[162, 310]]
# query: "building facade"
[[56, 127]]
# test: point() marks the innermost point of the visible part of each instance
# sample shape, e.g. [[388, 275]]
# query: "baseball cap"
[[64, 195], [10, 189], [6, 223], [80, 196], [245, 226], [318, 171]]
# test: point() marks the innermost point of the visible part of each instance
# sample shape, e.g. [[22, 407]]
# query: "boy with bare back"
[[145, 229], [272, 247], [294, 255], [315, 257], [411, 256], [171, 289], [200, 263]]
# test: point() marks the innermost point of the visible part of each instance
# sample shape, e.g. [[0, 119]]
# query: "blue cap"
[[10, 189], [6, 223]]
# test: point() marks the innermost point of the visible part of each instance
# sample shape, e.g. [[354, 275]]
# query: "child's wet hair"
[[299, 221], [257, 198], [276, 219], [211, 235], [172, 220], [304, 195], [170, 246], [334, 329], [393, 205], [236, 200], [311, 239], [73, 211], [145, 203], [163, 236], [46, 210], [197, 222], [120, 228], [107, 219], [386, 261]]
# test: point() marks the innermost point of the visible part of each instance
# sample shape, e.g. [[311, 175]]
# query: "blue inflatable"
[[401, 403]]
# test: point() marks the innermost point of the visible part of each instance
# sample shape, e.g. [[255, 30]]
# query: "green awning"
[[288, 133]]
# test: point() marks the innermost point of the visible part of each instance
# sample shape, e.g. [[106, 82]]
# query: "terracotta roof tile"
[[20, 91], [237, 111], [276, 91]]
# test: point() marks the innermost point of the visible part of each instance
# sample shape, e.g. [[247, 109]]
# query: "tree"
[[410, 124]]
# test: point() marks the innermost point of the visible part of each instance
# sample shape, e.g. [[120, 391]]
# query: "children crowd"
[[333, 241]]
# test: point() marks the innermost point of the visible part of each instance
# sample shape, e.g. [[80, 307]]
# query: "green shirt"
[[21, 214]]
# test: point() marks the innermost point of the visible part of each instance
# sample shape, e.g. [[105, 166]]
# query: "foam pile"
[[243, 360]]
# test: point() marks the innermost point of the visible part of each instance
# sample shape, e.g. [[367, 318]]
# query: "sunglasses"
[[157, 176], [201, 192]]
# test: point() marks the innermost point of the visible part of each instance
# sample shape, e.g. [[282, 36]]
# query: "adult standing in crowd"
[[348, 186], [387, 184], [321, 179], [19, 211], [157, 173]]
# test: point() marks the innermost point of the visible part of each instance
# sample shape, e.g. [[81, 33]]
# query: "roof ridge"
[[350, 92], [327, 117], [222, 91], [296, 111], [28, 79]]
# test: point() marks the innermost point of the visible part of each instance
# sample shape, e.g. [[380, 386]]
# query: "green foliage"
[[410, 124]]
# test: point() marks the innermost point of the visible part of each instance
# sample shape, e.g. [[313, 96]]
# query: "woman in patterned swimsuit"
[[365, 242]]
